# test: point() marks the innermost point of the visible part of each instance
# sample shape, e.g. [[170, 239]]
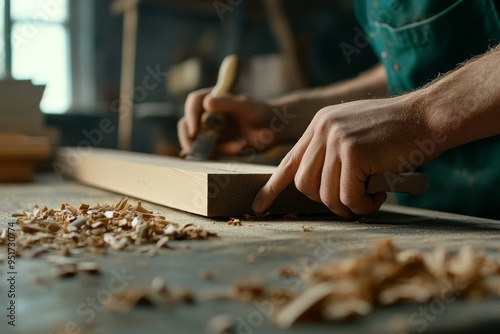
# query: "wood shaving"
[[287, 272], [234, 222], [248, 291], [156, 294], [95, 229], [206, 275], [307, 228], [262, 249], [88, 267], [221, 324], [356, 286], [68, 267]]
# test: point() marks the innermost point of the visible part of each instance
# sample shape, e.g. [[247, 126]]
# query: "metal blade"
[[203, 145]]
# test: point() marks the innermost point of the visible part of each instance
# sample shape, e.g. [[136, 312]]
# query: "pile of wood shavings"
[[70, 230], [355, 286]]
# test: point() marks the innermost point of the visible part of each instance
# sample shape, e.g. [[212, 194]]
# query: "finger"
[[193, 108], [353, 191], [308, 176], [182, 133], [233, 147], [330, 185], [283, 176], [227, 103]]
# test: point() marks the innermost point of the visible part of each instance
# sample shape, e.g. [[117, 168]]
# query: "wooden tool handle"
[[227, 75], [411, 183], [225, 80]]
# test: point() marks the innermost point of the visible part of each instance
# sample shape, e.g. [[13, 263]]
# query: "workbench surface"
[[48, 304]]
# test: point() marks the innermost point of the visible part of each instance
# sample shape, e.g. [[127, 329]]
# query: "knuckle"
[[350, 147], [332, 202], [301, 183], [243, 98], [210, 103], [329, 199], [192, 97], [357, 206], [321, 113], [347, 199]]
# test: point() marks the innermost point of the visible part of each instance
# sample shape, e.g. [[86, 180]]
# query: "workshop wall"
[[172, 32]]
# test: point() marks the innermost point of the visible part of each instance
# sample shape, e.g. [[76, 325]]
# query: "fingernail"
[[257, 206]]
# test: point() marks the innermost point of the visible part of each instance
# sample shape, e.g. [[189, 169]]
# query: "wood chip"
[[306, 307], [287, 272], [154, 295], [67, 270], [306, 228], [126, 300], [31, 228], [234, 222], [221, 324], [163, 242], [88, 267], [206, 275], [17, 214], [248, 291]]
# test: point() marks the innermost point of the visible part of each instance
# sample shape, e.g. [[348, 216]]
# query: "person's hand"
[[343, 146], [247, 122]]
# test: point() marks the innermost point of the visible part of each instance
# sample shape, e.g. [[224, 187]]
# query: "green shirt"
[[416, 40]]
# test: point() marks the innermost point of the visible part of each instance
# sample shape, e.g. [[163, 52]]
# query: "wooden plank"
[[214, 188], [205, 188]]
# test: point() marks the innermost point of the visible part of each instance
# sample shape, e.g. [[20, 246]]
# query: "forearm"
[[303, 105], [465, 104]]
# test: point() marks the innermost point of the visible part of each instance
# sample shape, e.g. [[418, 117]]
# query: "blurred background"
[[88, 53]]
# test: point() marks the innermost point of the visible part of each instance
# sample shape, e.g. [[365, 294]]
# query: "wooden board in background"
[[19, 155]]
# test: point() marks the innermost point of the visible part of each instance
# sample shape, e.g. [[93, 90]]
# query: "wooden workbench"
[[46, 304]]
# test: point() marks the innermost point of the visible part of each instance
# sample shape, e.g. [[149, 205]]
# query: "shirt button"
[[396, 67], [383, 55]]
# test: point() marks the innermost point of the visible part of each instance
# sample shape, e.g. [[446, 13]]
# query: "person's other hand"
[[343, 146], [247, 122]]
